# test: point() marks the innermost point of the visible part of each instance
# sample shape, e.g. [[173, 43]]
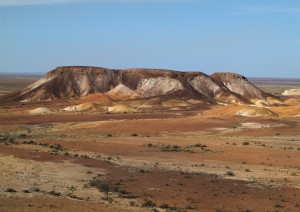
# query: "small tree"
[[104, 187]]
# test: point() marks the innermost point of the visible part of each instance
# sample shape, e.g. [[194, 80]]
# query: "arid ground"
[[201, 159]]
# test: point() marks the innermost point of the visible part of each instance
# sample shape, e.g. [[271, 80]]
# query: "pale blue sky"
[[256, 38]]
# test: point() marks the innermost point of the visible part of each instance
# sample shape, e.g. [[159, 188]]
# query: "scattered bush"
[[170, 148], [44, 144], [189, 207], [278, 206], [230, 173], [36, 189], [11, 190], [141, 170], [73, 196], [148, 203], [8, 140], [164, 205], [22, 136], [56, 147], [246, 143], [54, 193], [122, 191], [200, 145]]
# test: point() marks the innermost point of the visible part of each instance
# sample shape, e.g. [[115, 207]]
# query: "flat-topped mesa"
[[75, 70], [227, 76], [78, 81]]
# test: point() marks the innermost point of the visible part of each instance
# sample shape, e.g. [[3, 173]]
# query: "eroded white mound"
[[255, 112], [292, 92], [158, 86], [40, 110], [120, 108], [88, 106], [123, 92]]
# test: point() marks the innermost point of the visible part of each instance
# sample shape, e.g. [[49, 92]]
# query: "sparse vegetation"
[[176, 148], [54, 193], [147, 203], [11, 190], [200, 145], [230, 173], [142, 170], [56, 147], [104, 187], [170, 148], [22, 136], [73, 196], [7, 140], [122, 191], [278, 206], [35, 189], [164, 206]]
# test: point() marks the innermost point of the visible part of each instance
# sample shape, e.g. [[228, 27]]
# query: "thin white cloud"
[[269, 9], [45, 2]]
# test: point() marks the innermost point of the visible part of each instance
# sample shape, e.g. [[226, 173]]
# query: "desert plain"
[[172, 155]]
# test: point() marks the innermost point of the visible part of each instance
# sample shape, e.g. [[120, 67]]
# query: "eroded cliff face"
[[240, 85], [208, 87], [158, 86], [79, 81]]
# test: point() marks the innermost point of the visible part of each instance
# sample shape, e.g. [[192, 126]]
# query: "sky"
[[255, 38]]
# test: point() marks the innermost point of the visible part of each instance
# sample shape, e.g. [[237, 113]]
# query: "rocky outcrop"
[[208, 87], [158, 86], [80, 81], [240, 85]]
